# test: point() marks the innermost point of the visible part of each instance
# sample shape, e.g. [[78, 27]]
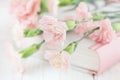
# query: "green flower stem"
[[86, 34], [30, 50], [39, 45], [72, 46]]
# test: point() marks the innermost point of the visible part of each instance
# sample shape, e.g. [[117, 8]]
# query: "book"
[[95, 61]]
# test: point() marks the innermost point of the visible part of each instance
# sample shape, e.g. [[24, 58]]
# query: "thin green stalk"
[[86, 34]]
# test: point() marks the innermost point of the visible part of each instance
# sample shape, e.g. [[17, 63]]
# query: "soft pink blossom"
[[54, 31], [57, 60], [25, 11], [15, 57], [104, 35], [53, 6], [82, 12]]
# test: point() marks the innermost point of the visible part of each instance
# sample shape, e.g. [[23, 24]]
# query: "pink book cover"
[[108, 56]]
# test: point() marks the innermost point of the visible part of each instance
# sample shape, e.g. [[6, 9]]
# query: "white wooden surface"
[[43, 71]]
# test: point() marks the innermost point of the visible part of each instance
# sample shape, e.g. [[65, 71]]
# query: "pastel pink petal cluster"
[[104, 35], [25, 11], [53, 7], [57, 60], [54, 31], [82, 12]]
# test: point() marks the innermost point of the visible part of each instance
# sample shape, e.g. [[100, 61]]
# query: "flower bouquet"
[[84, 39]]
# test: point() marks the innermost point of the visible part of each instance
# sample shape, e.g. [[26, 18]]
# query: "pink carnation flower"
[[25, 11], [57, 60], [104, 35], [54, 31], [82, 12]]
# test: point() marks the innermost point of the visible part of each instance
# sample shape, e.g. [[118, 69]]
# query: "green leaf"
[[32, 32], [98, 16], [30, 50], [116, 26], [71, 25], [71, 48]]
